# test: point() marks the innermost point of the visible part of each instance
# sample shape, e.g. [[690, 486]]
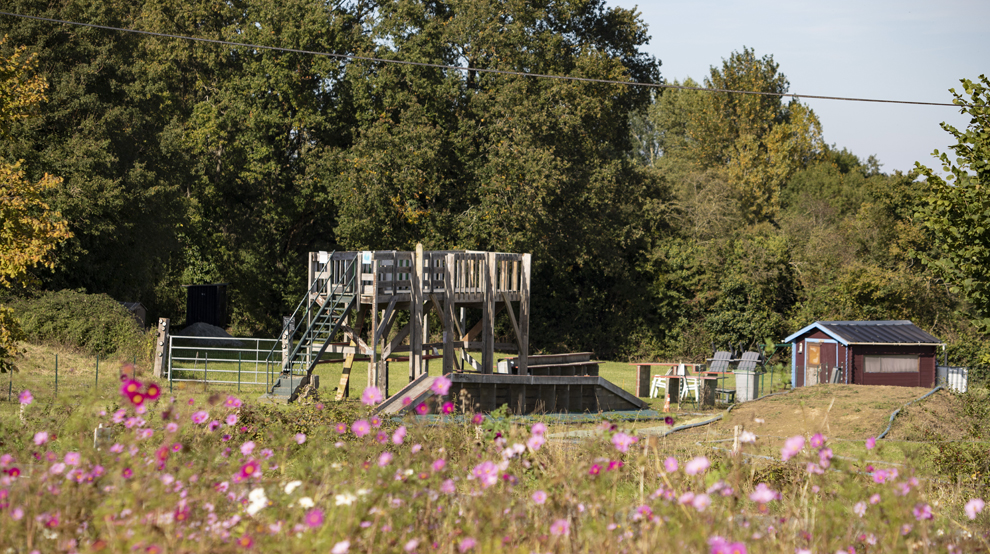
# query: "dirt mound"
[[206, 330]]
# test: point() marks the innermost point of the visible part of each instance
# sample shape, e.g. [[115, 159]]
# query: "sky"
[[897, 50]]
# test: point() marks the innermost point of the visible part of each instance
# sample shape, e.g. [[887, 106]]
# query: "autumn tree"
[[29, 229]]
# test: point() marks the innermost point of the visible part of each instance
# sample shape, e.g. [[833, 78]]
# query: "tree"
[[29, 229], [958, 206]]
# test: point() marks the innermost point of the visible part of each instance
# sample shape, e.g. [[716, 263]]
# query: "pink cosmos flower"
[[539, 497], [487, 473], [152, 391], [791, 447], [371, 396], [200, 417], [231, 419], [172, 427], [466, 544], [381, 437], [685, 498], [622, 441], [871, 443], [232, 402], [922, 511], [214, 425], [538, 429], [300, 438], [314, 517], [341, 547], [701, 502], [247, 448], [974, 507], [251, 469], [422, 409], [670, 464], [762, 494], [697, 465], [561, 527], [375, 421], [25, 397], [399, 436], [17, 513], [127, 473], [595, 469], [40, 438], [447, 487], [478, 419], [439, 464], [360, 428], [817, 440], [860, 508], [447, 408], [534, 442], [341, 428], [72, 458], [440, 386], [875, 499], [384, 458], [825, 457]]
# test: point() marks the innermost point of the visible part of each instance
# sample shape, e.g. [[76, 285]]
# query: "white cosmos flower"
[[362, 492], [289, 487], [345, 499], [306, 502]]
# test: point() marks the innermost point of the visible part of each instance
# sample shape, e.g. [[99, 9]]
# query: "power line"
[[477, 69]]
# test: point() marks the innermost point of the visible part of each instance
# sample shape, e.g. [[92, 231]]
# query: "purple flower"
[[422, 409], [697, 465], [670, 464], [399, 436], [371, 396], [791, 447], [447, 408], [561, 527], [214, 425], [668, 420], [762, 494], [440, 386], [974, 507], [817, 440], [487, 473], [200, 417], [25, 397], [360, 427], [478, 419], [314, 517], [622, 441], [922, 511]]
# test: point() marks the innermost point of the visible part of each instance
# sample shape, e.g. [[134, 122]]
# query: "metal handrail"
[[333, 302]]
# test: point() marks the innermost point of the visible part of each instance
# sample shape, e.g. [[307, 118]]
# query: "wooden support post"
[[416, 315], [161, 348], [448, 314], [373, 362], [523, 341], [288, 326], [344, 388]]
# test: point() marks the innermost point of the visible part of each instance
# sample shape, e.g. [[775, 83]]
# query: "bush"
[[95, 323]]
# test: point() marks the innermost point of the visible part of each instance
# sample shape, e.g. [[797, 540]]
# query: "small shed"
[[894, 353], [206, 304]]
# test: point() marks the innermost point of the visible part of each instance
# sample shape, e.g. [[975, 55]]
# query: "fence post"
[[97, 386], [206, 363], [238, 372]]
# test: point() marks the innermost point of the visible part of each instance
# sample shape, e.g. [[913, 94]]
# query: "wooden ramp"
[[416, 392]]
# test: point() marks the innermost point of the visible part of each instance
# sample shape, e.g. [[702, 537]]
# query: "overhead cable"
[[476, 69]]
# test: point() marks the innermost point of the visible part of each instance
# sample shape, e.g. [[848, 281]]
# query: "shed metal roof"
[[870, 332]]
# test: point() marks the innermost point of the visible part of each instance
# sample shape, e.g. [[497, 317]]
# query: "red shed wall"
[[926, 370]]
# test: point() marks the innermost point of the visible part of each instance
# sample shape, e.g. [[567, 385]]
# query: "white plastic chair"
[[689, 385], [657, 384]]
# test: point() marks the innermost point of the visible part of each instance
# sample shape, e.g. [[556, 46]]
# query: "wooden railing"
[[471, 272]]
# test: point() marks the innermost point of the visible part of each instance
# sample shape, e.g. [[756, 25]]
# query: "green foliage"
[[92, 322], [958, 206]]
